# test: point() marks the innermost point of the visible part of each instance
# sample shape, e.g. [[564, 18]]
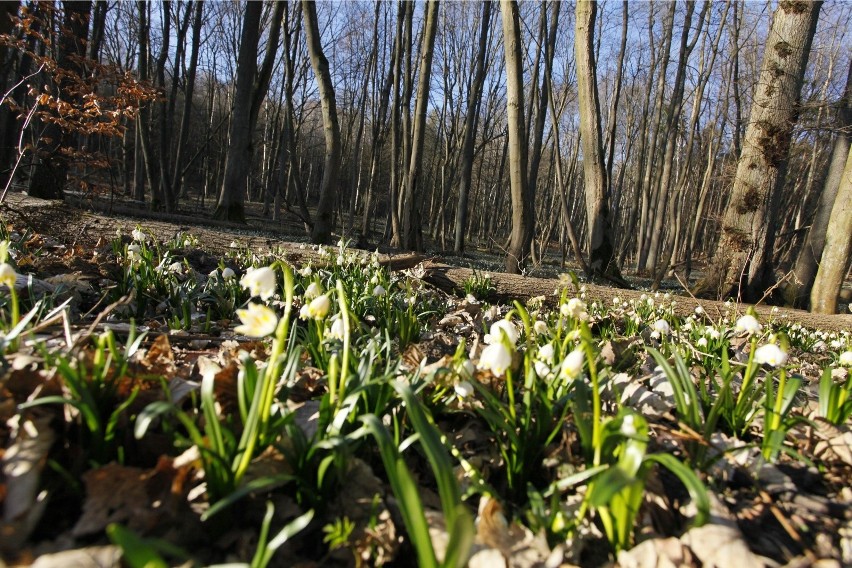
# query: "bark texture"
[[798, 291], [741, 264], [838, 246], [321, 232], [523, 212], [412, 237], [602, 261]]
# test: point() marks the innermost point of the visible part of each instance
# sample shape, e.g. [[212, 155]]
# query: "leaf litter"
[[794, 511]]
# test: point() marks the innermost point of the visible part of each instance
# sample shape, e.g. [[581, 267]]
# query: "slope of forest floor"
[[765, 485]]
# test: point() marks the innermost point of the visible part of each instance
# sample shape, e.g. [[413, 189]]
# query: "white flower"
[[304, 313], [133, 251], [305, 271], [467, 368], [502, 328], [628, 426], [337, 330], [314, 290], [699, 310], [379, 291], [845, 359], [319, 306], [495, 358], [542, 369], [545, 353], [7, 275], [139, 235], [234, 245], [463, 389], [662, 327], [770, 354], [540, 327], [572, 365], [175, 267], [748, 324], [228, 274], [702, 342], [575, 308], [258, 321], [259, 282], [374, 280]]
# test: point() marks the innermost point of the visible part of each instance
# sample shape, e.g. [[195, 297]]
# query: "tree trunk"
[[412, 234], [470, 125], [602, 261], [523, 212], [321, 232], [799, 289], [838, 248], [51, 170], [251, 87], [741, 264], [183, 133]]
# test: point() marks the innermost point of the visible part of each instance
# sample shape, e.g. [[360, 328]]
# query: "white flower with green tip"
[[463, 389], [318, 308], [770, 354], [500, 329], [259, 282], [748, 324], [572, 365], [257, 321], [314, 290], [7, 275], [495, 358]]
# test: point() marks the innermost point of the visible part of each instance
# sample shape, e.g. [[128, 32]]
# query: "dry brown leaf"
[[142, 500], [23, 463]]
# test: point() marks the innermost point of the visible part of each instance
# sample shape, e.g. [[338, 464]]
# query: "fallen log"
[[509, 287]]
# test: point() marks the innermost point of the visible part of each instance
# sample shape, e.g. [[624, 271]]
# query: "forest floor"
[[64, 505]]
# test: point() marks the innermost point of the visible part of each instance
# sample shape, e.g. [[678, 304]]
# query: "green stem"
[[779, 401]]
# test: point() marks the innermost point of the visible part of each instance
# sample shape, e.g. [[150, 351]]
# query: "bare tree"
[[523, 212], [741, 263], [412, 237], [470, 125], [51, 169], [799, 289], [252, 84], [837, 252], [602, 260], [321, 232]]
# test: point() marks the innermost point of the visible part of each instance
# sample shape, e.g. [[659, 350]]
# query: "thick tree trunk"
[[321, 232], [230, 206], [602, 261], [523, 212], [741, 264], [799, 289], [838, 248]]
